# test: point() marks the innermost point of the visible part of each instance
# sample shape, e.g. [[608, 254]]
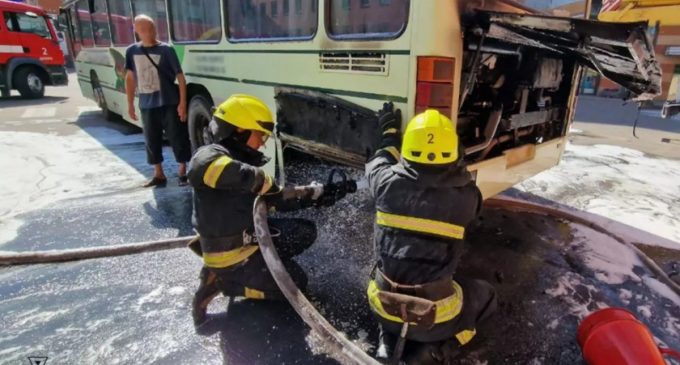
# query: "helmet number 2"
[[430, 138]]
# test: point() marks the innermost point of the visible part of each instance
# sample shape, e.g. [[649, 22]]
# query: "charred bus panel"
[[518, 76]]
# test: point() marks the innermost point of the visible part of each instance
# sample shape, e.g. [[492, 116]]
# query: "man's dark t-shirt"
[[155, 89]]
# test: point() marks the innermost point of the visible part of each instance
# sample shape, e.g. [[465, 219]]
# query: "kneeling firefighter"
[[226, 177], [425, 198]]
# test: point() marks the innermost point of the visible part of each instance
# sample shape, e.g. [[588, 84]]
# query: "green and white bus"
[[506, 74]]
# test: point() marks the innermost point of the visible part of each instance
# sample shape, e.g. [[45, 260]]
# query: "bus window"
[[85, 24], [195, 20], [156, 10], [367, 18], [121, 22], [248, 22], [100, 24], [33, 24]]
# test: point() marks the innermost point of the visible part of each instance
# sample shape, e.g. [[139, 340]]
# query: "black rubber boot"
[[425, 354], [206, 292], [386, 345]]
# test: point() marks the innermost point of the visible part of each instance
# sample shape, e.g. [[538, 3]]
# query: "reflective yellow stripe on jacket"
[[420, 225], [214, 170], [221, 260], [447, 308]]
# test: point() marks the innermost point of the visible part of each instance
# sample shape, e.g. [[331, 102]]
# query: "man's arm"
[[130, 87], [130, 83], [182, 106]]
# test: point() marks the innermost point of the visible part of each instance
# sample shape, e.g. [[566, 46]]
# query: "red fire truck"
[[30, 56]]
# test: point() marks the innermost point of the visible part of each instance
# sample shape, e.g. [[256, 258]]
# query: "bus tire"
[[100, 99], [29, 83], [199, 117]]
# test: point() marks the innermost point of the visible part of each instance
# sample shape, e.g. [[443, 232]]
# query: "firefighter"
[[227, 177], [425, 198]]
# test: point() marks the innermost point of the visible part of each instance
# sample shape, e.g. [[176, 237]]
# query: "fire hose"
[[340, 347]]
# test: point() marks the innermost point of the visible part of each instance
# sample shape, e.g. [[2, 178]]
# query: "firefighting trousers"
[[251, 278], [479, 302]]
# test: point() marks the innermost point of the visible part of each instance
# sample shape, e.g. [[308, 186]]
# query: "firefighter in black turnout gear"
[[227, 177], [425, 198]]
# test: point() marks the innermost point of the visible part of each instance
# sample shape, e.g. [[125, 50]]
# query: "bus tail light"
[[434, 85]]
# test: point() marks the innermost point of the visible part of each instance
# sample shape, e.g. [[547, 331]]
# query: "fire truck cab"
[[30, 56]]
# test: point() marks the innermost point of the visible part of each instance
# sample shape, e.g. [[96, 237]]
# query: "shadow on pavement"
[[592, 109], [173, 204], [262, 332], [18, 101]]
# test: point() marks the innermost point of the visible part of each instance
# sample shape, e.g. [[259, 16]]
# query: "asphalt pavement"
[[74, 181]]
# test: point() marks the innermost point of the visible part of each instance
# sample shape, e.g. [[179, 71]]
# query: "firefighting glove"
[[389, 119], [334, 191]]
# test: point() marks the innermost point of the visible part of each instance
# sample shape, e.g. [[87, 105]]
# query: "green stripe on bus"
[[303, 51], [382, 97], [232, 79], [96, 64]]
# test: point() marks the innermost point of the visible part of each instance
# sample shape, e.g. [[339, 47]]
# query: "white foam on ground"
[[611, 261], [565, 290], [619, 183], [42, 169], [645, 310], [662, 289]]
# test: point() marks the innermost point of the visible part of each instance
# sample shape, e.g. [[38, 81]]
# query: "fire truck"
[[30, 55]]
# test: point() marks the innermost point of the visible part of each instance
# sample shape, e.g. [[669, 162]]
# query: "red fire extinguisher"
[[616, 336]]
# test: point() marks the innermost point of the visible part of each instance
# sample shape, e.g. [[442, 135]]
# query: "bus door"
[[72, 40]]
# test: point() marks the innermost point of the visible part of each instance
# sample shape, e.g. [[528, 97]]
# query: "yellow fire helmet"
[[246, 112], [430, 138]]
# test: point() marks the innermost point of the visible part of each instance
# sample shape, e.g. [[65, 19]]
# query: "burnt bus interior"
[[517, 78]]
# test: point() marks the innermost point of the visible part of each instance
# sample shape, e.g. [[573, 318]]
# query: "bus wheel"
[[29, 83], [99, 97], [199, 117]]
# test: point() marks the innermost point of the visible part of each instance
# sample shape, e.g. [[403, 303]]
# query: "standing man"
[[227, 177], [152, 68], [425, 199]]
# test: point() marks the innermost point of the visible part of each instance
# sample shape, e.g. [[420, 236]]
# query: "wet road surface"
[[135, 309]]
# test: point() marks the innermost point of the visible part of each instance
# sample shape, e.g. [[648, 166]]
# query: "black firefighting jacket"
[[226, 180], [421, 215]]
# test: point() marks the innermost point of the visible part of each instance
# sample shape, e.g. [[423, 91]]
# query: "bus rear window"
[[195, 20], [85, 23], [100, 24], [121, 22], [367, 18], [251, 20]]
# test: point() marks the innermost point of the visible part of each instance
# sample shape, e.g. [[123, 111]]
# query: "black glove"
[[331, 194], [389, 119], [336, 190]]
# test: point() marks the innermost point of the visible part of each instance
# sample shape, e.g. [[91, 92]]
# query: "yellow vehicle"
[[664, 17], [506, 74]]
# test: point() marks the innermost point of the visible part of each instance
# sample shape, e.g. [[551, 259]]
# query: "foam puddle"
[[48, 168], [618, 183]]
